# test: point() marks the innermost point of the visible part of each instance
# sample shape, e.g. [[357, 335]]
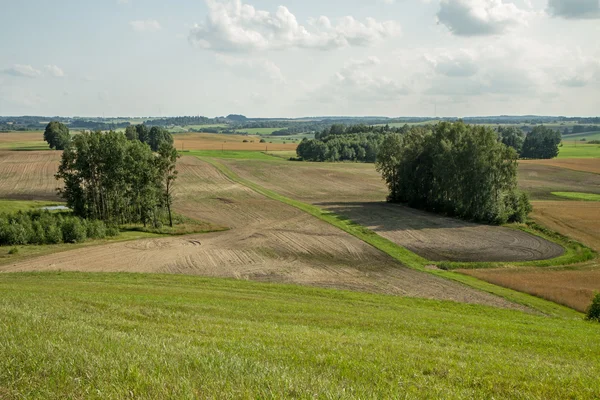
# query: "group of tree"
[[119, 179], [541, 143], [43, 227], [346, 143], [154, 136], [454, 169]]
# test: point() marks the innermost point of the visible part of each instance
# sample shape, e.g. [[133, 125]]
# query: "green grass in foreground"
[[12, 206], [399, 253], [230, 154], [578, 196], [75, 335], [580, 150]]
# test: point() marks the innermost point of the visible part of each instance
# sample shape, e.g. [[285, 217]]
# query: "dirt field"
[[209, 141], [541, 180], [579, 220], [28, 175], [577, 164], [574, 289], [269, 241], [357, 192]]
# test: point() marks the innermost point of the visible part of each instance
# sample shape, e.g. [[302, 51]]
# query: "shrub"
[[263, 141], [112, 230], [593, 312], [16, 234], [14, 250], [38, 236], [96, 229], [73, 230]]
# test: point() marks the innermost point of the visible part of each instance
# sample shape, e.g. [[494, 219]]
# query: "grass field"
[[12, 206], [578, 196], [259, 131], [579, 150], [66, 335], [22, 141], [578, 136]]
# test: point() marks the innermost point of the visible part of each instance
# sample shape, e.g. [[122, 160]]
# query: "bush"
[[73, 230], [593, 312], [112, 230], [14, 250], [96, 229]]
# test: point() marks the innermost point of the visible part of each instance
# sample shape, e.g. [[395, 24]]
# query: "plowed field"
[[577, 164], [269, 241], [352, 190], [28, 175]]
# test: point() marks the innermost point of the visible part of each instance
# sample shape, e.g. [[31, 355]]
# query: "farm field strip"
[[358, 193], [399, 253], [268, 241], [226, 142], [28, 175], [539, 181], [576, 164]]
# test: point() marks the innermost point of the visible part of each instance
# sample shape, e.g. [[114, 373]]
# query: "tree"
[[57, 135], [541, 143], [167, 160], [512, 136]]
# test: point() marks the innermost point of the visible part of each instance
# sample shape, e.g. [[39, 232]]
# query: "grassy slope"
[[73, 335], [580, 150], [12, 206], [399, 253], [578, 196]]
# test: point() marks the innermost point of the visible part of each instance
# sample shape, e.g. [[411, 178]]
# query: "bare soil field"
[[573, 288], [577, 164], [210, 141], [541, 180], [269, 241], [352, 190], [579, 220], [28, 175]]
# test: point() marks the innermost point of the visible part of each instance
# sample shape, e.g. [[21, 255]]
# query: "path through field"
[[269, 241]]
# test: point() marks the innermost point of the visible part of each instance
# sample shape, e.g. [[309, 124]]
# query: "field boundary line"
[[404, 256]]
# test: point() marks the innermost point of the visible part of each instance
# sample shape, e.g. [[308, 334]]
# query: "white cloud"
[[234, 26], [253, 68], [574, 9], [55, 71], [479, 17], [25, 71], [457, 64], [358, 82], [148, 25]]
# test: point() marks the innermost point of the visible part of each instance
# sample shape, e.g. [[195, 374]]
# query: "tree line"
[[346, 143], [454, 169]]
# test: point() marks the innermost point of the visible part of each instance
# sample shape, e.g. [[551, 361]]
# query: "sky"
[[296, 58]]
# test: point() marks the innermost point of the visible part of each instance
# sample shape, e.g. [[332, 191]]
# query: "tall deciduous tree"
[[512, 137], [57, 135], [454, 169], [542, 142]]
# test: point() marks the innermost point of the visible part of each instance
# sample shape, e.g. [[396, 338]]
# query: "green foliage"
[[57, 135], [13, 251], [43, 227], [110, 178], [541, 143], [454, 169], [578, 196], [73, 230], [512, 136], [346, 143], [593, 312]]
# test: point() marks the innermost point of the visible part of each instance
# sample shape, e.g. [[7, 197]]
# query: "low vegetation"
[[43, 227], [593, 312], [111, 336], [578, 196], [454, 169]]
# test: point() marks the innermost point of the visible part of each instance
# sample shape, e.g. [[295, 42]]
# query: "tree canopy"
[[57, 135], [454, 169], [512, 136], [110, 178], [542, 142]]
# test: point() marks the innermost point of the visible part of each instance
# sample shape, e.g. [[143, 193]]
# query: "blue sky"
[[299, 58]]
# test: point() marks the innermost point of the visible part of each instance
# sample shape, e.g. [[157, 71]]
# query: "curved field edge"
[[399, 253], [578, 196], [84, 335], [575, 252]]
